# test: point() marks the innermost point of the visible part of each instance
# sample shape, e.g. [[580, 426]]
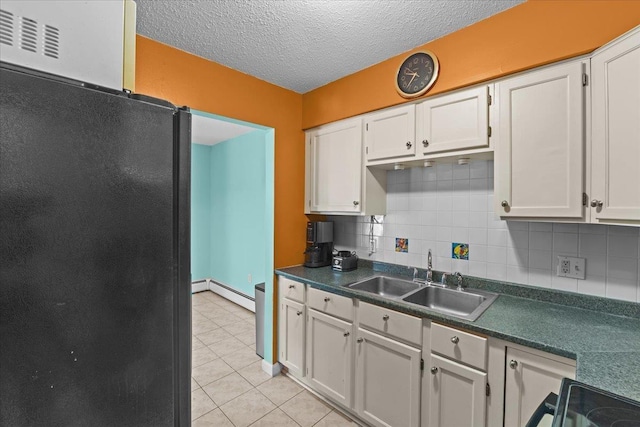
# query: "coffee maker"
[[319, 244]]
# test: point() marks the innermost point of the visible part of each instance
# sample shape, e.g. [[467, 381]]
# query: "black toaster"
[[344, 261]]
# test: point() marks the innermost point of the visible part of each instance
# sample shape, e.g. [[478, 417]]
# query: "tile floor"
[[228, 386]]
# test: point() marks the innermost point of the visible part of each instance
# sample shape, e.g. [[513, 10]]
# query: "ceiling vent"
[[25, 35]]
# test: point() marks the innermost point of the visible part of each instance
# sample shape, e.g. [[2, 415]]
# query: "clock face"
[[417, 74]]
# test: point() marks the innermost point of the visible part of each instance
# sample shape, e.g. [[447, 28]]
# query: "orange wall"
[[184, 79], [528, 35]]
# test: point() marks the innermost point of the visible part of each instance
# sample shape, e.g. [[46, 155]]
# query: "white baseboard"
[[210, 285], [270, 369]]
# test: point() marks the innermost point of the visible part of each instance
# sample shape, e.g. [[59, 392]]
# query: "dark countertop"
[[606, 347]]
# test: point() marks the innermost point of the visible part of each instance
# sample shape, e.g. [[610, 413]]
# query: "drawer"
[[458, 345], [335, 305], [291, 289], [391, 323]]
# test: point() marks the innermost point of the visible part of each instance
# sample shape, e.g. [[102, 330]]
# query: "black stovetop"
[[581, 405]]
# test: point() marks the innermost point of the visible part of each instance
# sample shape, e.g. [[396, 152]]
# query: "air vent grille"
[[25, 34], [51, 41], [6, 27], [29, 34]]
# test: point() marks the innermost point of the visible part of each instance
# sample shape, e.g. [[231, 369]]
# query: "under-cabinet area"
[[393, 369]]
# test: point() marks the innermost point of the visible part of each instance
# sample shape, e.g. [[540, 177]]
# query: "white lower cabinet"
[[329, 356], [292, 330], [529, 378], [374, 369], [456, 394], [387, 383]]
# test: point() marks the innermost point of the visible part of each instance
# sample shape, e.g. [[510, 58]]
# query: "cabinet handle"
[[434, 370], [359, 340], [356, 203], [513, 364], [504, 204], [292, 286], [596, 203], [327, 299], [346, 334], [409, 144], [385, 317], [425, 142], [298, 313], [455, 339]]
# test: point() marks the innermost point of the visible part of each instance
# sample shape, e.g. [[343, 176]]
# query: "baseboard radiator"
[[224, 291]]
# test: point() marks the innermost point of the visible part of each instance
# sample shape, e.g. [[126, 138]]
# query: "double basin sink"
[[466, 304]]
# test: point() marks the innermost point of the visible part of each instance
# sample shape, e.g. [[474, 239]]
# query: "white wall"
[[434, 207]]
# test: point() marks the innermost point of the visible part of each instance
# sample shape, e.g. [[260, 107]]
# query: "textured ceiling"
[[209, 131], [305, 44]]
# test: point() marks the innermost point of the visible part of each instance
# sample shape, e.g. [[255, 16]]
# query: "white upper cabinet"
[[453, 122], [615, 137], [390, 134], [336, 181], [334, 167], [539, 151]]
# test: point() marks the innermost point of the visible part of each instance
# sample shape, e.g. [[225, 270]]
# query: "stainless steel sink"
[[385, 286], [467, 304]]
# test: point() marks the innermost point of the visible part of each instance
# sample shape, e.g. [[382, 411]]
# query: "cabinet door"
[[329, 351], [615, 182], [539, 152], [529, 379], [391, 134], [456, 394], [459, 121], [387, 385], [292, 335], [334, 167]]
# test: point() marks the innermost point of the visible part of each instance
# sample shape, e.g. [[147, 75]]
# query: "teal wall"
[[238, 196], [232, 210], [200, 211]]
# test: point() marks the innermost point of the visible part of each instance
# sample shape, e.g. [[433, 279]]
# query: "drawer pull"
[[359, 340], [298, 313], [292, 286], [455, 339], [346, 334], [327, 299], [513, 364], [385, 317], [434, 370]]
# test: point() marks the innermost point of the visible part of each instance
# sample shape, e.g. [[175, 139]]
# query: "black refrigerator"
[[95, 293]]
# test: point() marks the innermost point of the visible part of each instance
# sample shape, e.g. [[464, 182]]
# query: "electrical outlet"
[[571, 267], [249, 278]]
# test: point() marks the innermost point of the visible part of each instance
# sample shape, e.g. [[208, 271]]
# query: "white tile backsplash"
[[434, 207]]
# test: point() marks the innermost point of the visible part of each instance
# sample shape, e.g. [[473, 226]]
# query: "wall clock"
[[417, 74]]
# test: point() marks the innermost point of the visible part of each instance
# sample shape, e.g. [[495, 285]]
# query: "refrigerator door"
[[94, 257]]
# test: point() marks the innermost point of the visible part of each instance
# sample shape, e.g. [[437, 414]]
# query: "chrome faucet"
[[429, 268], [460, 279]]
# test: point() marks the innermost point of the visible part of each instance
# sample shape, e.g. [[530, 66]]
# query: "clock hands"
[[414, 76]]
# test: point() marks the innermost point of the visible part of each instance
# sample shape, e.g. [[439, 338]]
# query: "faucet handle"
[[460, 280], [415, 272], [443, 279]]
